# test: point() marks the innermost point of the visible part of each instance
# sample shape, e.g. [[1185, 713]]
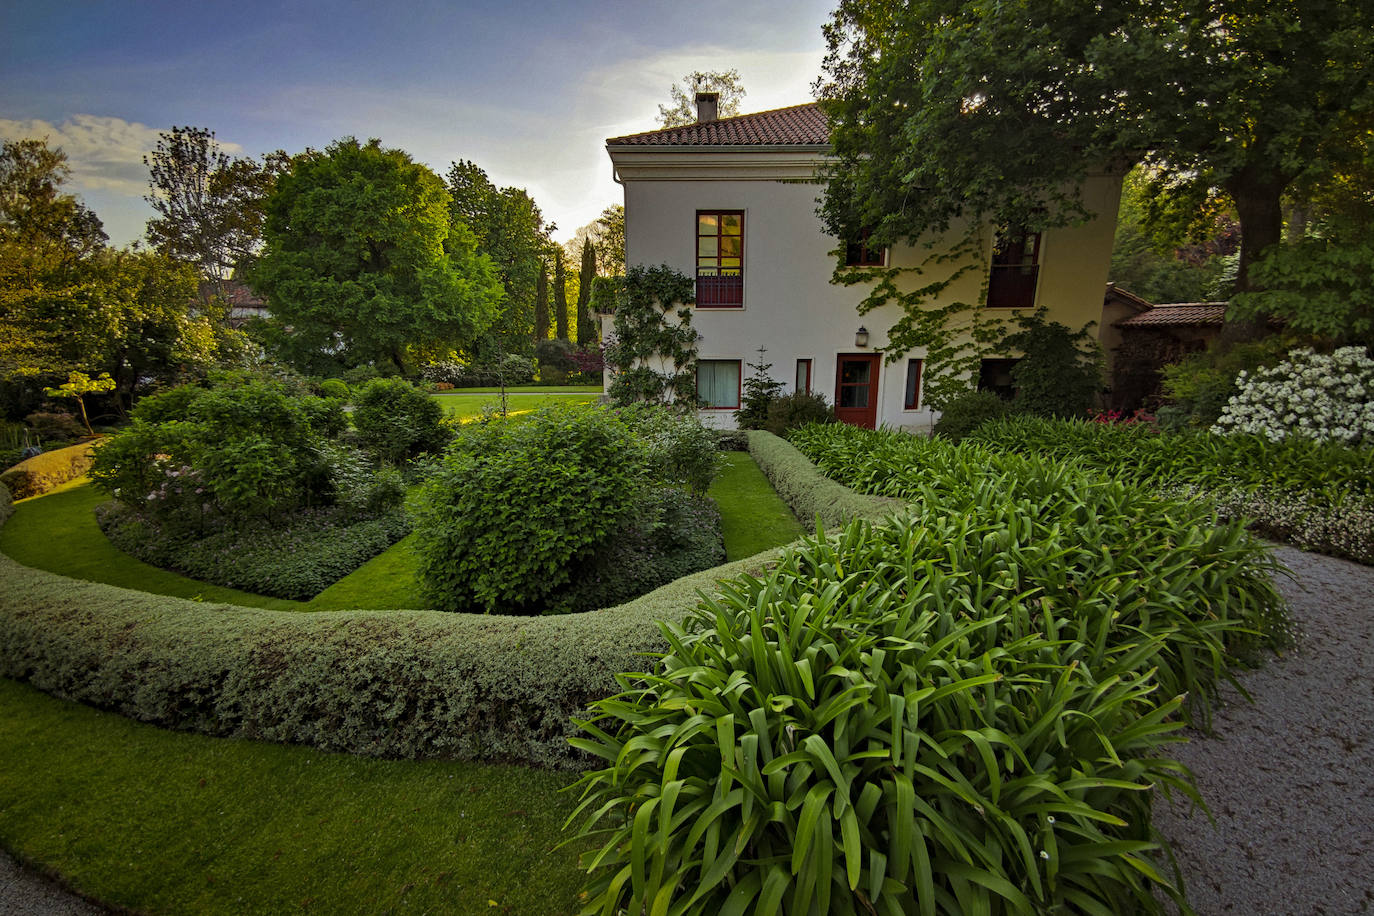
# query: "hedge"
[[808, 492], [41, 473], [6, 503], [378, 683]]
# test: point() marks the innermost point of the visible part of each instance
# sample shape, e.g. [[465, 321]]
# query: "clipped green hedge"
[[41, 473], [6, 504], [378, 683], [807, 491]]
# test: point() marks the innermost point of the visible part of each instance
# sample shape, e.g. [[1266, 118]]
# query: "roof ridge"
[[724, 123]]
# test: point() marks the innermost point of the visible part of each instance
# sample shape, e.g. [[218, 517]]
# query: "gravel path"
[[1290, 778]]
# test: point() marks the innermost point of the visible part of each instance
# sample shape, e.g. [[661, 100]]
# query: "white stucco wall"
[[790, 305]]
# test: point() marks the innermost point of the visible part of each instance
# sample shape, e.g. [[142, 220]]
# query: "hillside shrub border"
[[48, 471]]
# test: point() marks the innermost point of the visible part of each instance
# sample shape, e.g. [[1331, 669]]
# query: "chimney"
[[707, 105]]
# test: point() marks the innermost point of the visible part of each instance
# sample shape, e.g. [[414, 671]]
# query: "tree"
[[586, 328], [607, 233], [510, 230], [362, 258], [682, 109], [560, 296], [541, 305], [77, 386], [944, 111], [210, 206]]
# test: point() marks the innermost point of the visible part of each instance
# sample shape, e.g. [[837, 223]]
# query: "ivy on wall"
[[652, 351]]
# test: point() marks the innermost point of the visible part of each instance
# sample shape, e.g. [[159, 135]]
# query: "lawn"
[[525, 389], [467, 405], [165, 823], [752, 515]]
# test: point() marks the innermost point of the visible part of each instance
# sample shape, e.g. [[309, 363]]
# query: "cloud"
[[105, 153]]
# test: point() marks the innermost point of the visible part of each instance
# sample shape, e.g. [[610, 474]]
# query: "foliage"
[[586, 323], [515, 504], [967, 412], [511, 369], [800, 408], [54, 425], [297, 560], [681, 451], [242, 449], [554, 353], [918, 95], [41, 473], [77, 386], [810, 494], [609, 234], [850, 734], [396, 421], [682, 109], [1060, 374], [541, 304], [1328, 398], [362, 260], [1172, 266], [209, 205], [6, 503], [511, 231], [560, 296], [671, 534], [652, 356], [760, 390], [334, 388], [1197, 387]]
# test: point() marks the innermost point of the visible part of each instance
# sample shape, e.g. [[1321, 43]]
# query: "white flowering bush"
[[1329, 398]]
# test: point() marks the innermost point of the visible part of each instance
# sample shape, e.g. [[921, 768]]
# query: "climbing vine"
[[652, 352]]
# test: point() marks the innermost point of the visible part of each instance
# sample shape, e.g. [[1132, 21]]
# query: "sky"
[[529, 91]]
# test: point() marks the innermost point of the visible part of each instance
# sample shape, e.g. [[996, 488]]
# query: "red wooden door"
[[856, 389]]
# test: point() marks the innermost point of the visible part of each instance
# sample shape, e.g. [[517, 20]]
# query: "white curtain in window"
[[718, 382]]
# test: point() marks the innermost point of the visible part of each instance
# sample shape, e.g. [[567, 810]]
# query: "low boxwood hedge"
[[807, 491], [41, 473]]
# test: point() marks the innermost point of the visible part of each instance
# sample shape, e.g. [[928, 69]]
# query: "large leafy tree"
[[682, 106], [362, 258], [945, 110], [210, 206], [511, 231]]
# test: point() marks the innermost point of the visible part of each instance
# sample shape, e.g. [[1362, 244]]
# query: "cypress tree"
[[560, 295], [541, 304], [586, 330]]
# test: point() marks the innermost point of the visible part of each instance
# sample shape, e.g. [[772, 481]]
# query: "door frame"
[[865, 417]]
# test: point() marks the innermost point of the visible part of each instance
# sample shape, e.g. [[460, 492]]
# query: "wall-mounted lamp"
[[861, 337]]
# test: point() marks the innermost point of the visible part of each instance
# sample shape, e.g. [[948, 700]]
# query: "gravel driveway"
[[1289, 778]]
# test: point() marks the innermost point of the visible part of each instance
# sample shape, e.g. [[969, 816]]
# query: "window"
[[720, 258], [803, 376], [858, 254], [1015, 268], [912, 399], [718, 383]]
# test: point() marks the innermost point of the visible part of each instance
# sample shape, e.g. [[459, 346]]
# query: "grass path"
[[752, 515], [169, 823]]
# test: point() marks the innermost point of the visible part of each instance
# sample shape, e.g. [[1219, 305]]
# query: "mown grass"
[[525, 389], [752, 516], [465, 406], [169, 823]]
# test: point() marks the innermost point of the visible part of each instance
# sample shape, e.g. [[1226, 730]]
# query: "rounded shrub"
[[397, 421], [1326, 397], [800, 408], [515, 503], [334, 388], [682, 452], [963, 414]]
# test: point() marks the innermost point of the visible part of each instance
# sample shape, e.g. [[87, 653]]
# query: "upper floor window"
[[720, 258], [859, 254], [1015, 269]]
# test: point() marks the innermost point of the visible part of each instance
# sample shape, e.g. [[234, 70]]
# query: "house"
[[732, 202], [1142, 338]]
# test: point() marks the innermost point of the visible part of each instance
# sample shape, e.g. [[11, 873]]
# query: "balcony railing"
[[720, 292]]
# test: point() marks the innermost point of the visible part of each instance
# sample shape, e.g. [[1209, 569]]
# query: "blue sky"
[[527, 90]]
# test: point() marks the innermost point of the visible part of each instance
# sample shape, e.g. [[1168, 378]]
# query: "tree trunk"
[[1258, 195]]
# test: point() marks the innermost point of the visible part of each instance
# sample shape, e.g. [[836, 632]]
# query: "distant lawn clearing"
[[467, 405], [167, 823]]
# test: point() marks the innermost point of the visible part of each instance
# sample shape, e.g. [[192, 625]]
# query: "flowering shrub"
[[1329, 398]]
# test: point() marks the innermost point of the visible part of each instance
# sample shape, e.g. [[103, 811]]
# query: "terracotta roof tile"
[[1178, 313], [799, 125]]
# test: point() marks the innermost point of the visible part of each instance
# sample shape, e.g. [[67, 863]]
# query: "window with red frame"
[[1015, 269], [720, 258], [803, 376], [718, 383]]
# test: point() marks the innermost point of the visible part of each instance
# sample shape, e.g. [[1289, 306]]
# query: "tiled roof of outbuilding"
[[799, 125], [1178, 313]]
